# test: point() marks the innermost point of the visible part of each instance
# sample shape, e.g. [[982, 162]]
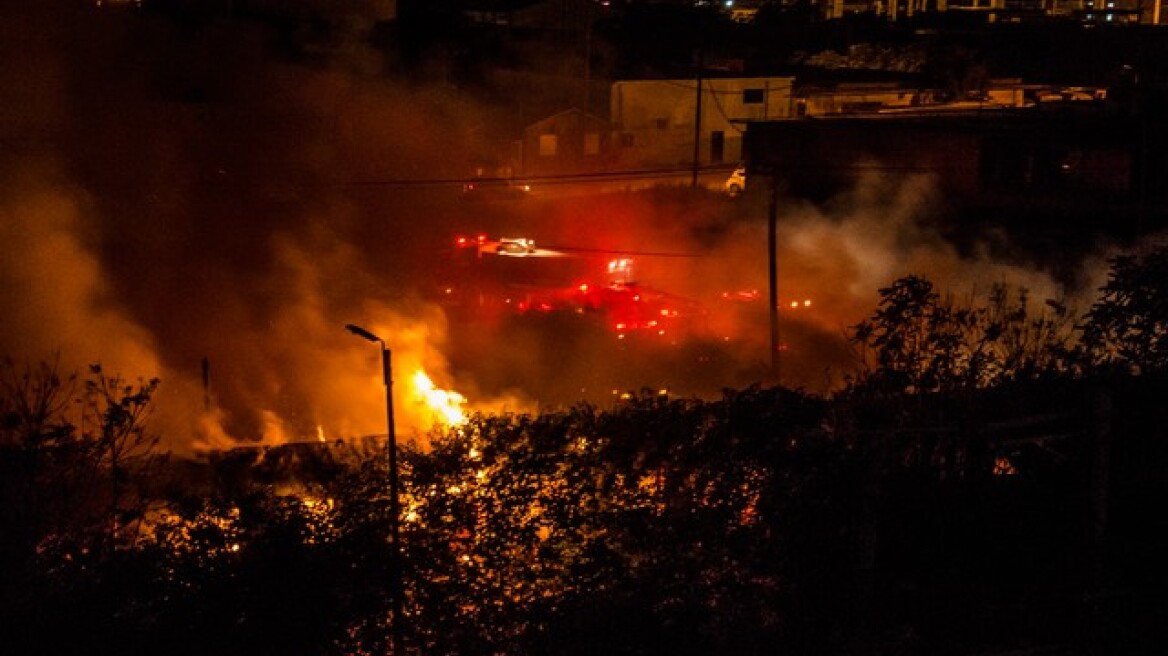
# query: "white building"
[[656, 121]]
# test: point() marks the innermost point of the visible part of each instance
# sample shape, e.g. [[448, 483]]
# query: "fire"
[[446, 405]]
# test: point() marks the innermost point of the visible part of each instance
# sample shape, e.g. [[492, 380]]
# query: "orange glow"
[[445, 405], [1003, 467]]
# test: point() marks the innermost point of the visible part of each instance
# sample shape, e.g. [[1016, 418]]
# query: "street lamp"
[[394, 509]]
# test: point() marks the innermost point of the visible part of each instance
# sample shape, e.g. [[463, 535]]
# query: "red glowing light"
[[741, 295]]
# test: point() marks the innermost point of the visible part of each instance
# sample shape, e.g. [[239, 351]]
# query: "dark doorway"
[[717, 146]]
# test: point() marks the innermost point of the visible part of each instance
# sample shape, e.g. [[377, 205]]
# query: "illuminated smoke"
[[55, 299], [176, 194], [837, 255]]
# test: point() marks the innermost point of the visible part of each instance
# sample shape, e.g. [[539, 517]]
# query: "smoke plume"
[[209, 201]]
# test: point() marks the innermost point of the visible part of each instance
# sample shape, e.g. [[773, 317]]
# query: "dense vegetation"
[[987, 482]]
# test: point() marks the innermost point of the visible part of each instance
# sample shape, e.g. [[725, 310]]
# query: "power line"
[[566, 178], [654, 173], [640, 174], [606, 251]]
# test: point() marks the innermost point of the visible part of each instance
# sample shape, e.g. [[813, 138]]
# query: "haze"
[[172, 192]]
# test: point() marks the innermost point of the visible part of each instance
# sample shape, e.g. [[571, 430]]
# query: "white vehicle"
[[483, 245], [514, 246], [736, 183], [496, 189]]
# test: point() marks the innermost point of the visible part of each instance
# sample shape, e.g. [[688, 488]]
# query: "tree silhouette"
[[1127, 328]]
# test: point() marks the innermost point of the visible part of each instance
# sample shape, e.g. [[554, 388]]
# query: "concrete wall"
[[568, 142], [654, 120]]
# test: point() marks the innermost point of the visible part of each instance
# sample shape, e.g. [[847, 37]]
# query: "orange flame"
[[444, 405]]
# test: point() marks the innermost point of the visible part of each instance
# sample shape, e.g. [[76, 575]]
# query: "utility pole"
[[588, 59], [773, 273], [697, 138]]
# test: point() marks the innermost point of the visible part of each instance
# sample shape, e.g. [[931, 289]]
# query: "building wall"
[[1055, 163], [871, 98], [850, 99], [557, 15], [571, 141], [655, 120], [1119, 11]]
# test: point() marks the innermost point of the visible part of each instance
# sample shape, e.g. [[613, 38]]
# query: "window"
[[662, 123], [547, 145], [753, 96], [626, 140], [591, 143]]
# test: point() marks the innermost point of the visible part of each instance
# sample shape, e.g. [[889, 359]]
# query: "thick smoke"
[[180, 192], [54, 286], [831, 260], [175, 193]]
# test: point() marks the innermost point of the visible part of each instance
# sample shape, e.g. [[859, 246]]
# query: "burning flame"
[[446, 405]]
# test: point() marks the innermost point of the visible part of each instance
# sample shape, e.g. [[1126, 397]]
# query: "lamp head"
[[361, 332]]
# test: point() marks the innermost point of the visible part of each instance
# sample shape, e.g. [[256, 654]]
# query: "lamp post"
[[394, 510]]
